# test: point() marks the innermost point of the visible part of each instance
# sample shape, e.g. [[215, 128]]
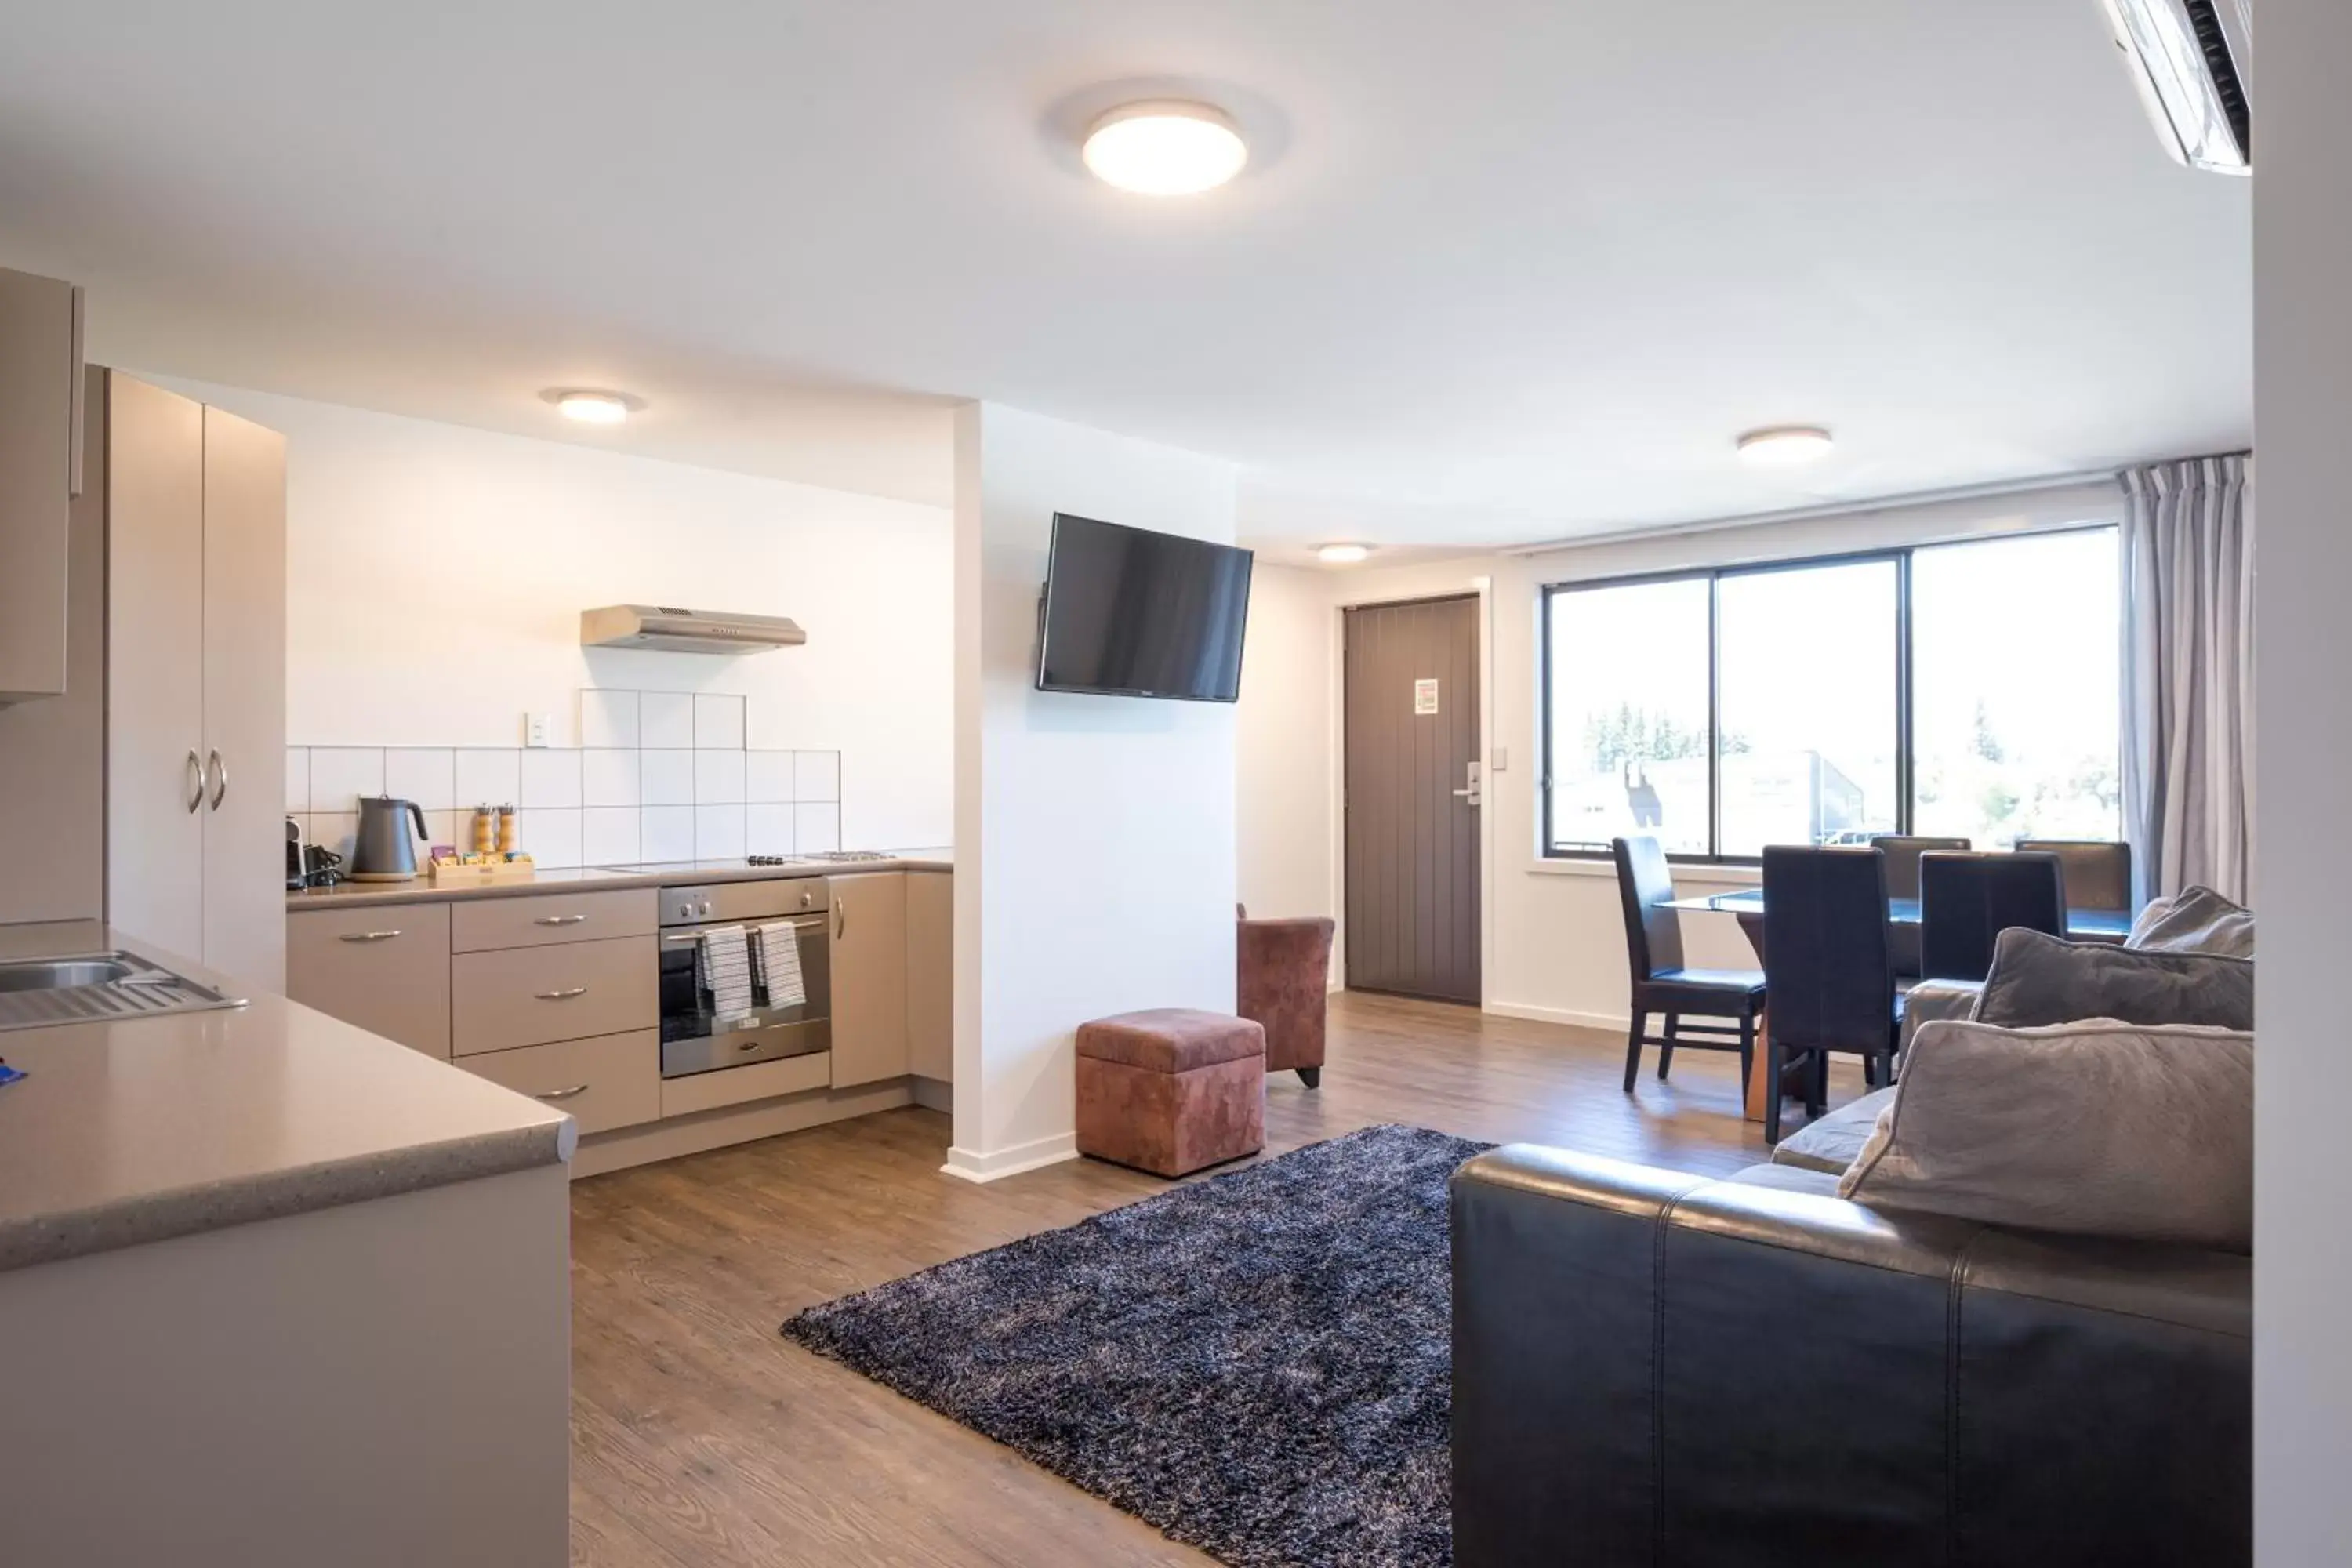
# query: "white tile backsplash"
[[609, 777], [487, 778], [298, 781], [666, 778], [666, 719], [550, 834], [659, 776], [717, 721], [608, 836], [718, 832], [815, 827], [669, 833], [718, 778], [767, 829], [608, 718], [817, 776], [340, 775], [551, 778], [425, 775], [768, 777]]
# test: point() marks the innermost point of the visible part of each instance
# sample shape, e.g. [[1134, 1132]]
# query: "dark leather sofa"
[[1654, 1368]]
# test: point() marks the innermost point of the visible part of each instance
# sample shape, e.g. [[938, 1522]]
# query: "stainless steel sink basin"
[[91, 987]]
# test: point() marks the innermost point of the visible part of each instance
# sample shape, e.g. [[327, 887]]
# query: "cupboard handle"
[[220, 779], [196, 773], [367, 936], [840, 917], [561, 995], [559, 920], [576, 1088]]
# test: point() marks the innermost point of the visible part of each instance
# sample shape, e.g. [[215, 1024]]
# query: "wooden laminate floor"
[[700, 1437]]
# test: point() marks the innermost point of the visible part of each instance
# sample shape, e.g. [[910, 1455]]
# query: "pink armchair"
[[1285, 980]]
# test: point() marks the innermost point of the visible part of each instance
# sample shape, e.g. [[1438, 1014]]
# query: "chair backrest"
[[1827, 967], [1903, 851], [1967, 900], [2098, 872], [1653, 935]]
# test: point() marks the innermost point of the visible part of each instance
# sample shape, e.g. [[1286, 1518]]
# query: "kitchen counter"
[[595, 878], [144, 1129]]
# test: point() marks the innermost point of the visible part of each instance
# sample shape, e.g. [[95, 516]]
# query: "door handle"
[[1475, 794], [220, 779], [195, 783], [560, 996]]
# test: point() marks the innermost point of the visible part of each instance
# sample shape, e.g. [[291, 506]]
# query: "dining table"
[[1746, 904]]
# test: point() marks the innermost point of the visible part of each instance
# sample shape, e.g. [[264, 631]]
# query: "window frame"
[[1713, 576]]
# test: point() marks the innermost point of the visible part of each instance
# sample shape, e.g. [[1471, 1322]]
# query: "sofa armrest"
[[1653, 1367]]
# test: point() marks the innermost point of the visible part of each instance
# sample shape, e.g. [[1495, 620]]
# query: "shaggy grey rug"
[[1259, 1364]]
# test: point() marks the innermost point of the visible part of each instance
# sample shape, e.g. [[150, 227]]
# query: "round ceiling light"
[[593, 407], [1165, 147], [1786, 446], [1342, 554]]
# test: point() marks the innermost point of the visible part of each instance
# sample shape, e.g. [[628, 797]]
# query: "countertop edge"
[[559, 880], [281, 1194]]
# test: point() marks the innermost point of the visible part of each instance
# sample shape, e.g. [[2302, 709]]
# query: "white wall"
[[1555, 938], [436, 577], [2303, 397], [1094, 834], [1287, 745]]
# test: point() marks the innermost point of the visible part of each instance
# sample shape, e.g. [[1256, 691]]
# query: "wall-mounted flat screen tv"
[[1130, 613]]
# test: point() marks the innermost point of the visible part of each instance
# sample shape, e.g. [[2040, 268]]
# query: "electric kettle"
[[384, 852]]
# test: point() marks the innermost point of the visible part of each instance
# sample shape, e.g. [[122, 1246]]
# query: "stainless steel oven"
[[695, 1038]]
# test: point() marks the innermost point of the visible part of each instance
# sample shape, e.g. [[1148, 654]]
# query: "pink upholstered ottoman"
[[1171, 1090]]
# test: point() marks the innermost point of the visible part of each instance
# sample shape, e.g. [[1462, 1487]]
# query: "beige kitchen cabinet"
[[611, 1081], [195, 680], [930, 975], [40, 434], [383, 968], [869, 978], [490, 923], [531, 996]]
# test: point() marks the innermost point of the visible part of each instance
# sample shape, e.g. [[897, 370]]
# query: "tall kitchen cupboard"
[[195, 680]]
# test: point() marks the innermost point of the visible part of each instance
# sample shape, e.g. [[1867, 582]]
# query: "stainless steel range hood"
[[673, 630]]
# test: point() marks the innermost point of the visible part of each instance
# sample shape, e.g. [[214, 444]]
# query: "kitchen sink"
[[92, 987]]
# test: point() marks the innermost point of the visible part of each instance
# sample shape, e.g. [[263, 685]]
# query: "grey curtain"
[[2188, 675]]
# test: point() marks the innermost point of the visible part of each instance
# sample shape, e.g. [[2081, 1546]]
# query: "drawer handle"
[[563, 996], [368, 936], [576, 1088], [559, 920]]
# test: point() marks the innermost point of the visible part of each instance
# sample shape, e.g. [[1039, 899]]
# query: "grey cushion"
[[2094, 1129], [2197, 920], [2039, 980], [1833, 1142], [1929, 1000]]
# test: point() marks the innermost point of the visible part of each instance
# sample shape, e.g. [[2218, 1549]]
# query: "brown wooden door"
[[1411, 808]]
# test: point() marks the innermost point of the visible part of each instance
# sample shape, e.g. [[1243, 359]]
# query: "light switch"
[[536, 727], [1502, 758]]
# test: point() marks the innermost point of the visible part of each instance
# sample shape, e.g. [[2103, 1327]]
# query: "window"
[[2016, 670], [1629, 715], [1828, 701]]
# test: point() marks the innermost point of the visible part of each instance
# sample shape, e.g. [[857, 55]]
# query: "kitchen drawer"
[[611, 1081], [479, 925], [530, 995], [386, 969]]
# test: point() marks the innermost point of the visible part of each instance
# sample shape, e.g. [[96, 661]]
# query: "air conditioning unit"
[[2193, 61]]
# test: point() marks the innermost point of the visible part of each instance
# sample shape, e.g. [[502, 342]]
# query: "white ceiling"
[[1502, 271]]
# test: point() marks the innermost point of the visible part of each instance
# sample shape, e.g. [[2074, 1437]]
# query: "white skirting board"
[[1616, 1023], [965, 1166]]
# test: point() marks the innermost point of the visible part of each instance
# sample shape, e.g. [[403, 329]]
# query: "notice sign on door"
[[1424, 697]]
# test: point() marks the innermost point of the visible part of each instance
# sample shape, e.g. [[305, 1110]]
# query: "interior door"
[[155, 665], [245, 700], [1413, 790]]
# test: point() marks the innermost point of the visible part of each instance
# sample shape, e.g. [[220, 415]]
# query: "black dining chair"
[[2096, 873], [1903, 851], [1967, 900], [1829, 968], [1653, 942]]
